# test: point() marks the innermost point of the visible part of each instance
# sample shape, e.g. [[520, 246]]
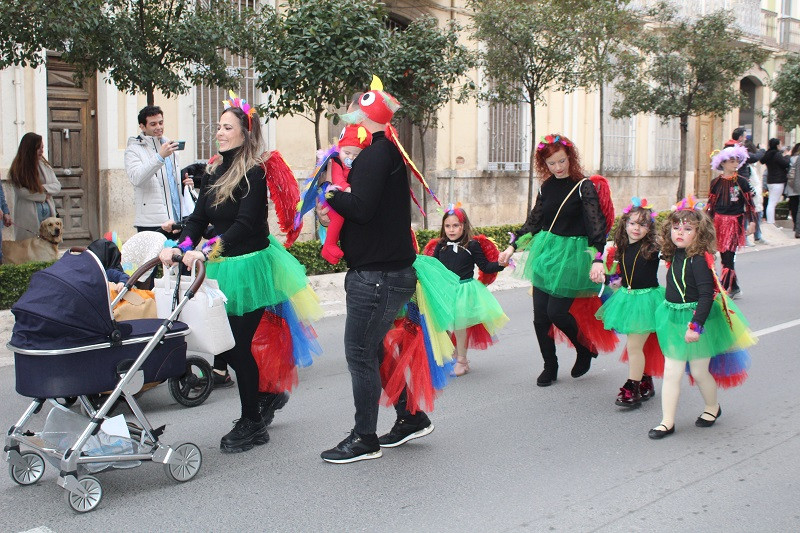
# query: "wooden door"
[[72, 150], [705, 145]]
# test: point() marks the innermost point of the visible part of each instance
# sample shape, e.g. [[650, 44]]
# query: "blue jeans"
[[373, 300]]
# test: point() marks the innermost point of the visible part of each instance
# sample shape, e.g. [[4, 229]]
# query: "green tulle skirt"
[[631, 311], [723, 332], [440, 287], [264, 278], [475, 305], [559, 265]]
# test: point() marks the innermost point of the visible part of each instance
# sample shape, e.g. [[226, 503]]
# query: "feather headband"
[[642, 203], [688, 203], [242, 104], [552, 139], [457, 210]]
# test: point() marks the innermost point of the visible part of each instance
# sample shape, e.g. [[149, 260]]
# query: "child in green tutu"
[[631, 309], [697, 323], [476, 312]]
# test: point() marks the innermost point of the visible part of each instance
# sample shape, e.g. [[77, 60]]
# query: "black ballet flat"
[[656, 433], [703, 423]]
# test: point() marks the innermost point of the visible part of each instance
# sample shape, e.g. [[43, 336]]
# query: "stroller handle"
[[154, 262], [198, 280]]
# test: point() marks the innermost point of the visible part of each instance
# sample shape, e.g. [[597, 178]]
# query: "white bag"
[[188, 201], [205, 313]]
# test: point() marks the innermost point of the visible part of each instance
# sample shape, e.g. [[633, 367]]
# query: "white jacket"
[[149, 178]]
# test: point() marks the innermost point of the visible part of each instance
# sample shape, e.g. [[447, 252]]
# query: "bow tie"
[[454, 245]]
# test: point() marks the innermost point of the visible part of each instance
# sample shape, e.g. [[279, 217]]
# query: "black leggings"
[[548, 310], [728, 278], [240, 357]]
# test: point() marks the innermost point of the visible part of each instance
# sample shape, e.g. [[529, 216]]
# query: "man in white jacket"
[[152, 168]]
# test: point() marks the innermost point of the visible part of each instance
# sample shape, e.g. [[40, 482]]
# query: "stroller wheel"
[[189, 458], [193, 387], [93, 493], [31, 472]]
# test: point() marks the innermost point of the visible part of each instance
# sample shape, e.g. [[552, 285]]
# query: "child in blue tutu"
[[697, 324], [477, 314], [631, 309]]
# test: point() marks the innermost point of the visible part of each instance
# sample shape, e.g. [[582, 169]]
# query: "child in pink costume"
[[353, 139]]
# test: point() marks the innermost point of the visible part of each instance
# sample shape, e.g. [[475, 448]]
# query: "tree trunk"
[[533, 157], [602, 127], [317, 116], [682, 171], [422, 170], [151, 97]]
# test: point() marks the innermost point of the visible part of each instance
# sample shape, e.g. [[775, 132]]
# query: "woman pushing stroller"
[[253, 270]]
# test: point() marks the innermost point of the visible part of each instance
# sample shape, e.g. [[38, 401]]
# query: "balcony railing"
[[769, 25], [748, 13], [790, 34]]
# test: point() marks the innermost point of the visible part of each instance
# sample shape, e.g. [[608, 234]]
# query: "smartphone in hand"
[[181, 145]]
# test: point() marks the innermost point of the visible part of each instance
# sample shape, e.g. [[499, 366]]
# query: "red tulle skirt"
[[730, 232], [653, 357], [591, 332]]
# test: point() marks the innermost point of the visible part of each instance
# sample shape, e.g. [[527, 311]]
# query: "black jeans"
[[373, 300], [549, 310]]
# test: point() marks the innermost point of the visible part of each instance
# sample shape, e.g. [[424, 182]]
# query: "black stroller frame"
[[84, 492]]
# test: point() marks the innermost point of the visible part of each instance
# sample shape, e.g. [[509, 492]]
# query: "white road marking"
[[779, 327]]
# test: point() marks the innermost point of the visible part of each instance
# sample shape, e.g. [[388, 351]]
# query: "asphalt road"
[[505, 456]]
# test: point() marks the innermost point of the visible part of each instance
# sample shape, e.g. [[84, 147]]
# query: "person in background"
[[34, 184], [6, 216], [777, 163], [793, 188], [756, 183], [152, 168]]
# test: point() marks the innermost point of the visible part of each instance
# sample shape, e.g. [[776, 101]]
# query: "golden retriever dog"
[[44, 247]]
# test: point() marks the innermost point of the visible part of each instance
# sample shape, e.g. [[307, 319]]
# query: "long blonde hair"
[[250, 155]]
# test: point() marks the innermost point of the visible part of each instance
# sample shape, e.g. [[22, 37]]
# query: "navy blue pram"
[[66, 343]]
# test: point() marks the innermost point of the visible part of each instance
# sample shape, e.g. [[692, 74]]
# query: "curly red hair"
[[545, 149]]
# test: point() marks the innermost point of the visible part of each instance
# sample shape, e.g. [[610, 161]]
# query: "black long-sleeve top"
[[580, 217], [462, 261], [730, 197], [377, 217], [240, 221], [694, 279], [643, 274], [777, 166]]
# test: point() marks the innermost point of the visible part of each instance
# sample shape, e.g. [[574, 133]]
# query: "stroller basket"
[[66, 343]]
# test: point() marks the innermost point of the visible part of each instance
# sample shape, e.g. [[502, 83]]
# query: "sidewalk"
[[330, 287]]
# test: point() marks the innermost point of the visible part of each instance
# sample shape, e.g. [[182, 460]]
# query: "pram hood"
[[67, 305]]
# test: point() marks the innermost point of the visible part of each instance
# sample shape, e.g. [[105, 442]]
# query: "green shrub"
[[14, 280], [308, 253]]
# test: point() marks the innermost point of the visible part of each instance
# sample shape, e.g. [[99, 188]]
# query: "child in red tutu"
[[730, 204], [477, 314], [631, 308]]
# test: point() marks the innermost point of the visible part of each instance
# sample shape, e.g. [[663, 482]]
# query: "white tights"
[[635, 347], [671, 388]]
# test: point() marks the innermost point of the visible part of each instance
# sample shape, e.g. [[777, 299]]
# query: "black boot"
[[583, 361], [244, 435], [550, 372]]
